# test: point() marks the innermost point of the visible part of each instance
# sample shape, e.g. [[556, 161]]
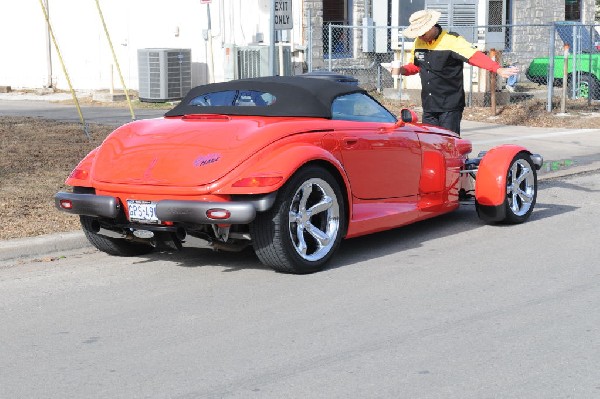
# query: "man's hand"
[[506, 72]]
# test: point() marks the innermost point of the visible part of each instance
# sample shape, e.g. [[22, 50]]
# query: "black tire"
[[294, 236], [588, 86], [520, 194], [112, 246]]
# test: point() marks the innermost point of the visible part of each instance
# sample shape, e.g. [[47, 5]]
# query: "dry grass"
[[36, 156], [527, 113], [533, 113]]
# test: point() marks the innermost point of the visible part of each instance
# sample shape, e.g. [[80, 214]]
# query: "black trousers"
[[449, 120]]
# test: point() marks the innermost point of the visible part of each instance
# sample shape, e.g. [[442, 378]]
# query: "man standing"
[[438, 57]]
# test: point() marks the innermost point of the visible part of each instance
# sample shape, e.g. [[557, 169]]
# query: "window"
[[572, 10], [335, 12], [234, 98], [360, 107]]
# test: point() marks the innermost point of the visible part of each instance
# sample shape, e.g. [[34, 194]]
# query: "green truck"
[[587, 71]]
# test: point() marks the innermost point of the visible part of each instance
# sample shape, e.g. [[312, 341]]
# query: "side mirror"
[[408, 116]]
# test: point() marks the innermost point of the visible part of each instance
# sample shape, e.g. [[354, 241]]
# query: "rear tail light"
[[66, 204], [258, 181], [81, 174]]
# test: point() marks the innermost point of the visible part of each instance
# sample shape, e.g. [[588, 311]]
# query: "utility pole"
[[48, 49]]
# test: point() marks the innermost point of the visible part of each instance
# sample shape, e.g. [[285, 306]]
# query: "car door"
[[381, 158], [381, 161]]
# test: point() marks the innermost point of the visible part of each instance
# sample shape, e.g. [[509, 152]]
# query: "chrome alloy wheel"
[[314, 219], [520, 187]]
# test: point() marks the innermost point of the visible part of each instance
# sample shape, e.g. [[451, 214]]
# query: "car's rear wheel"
[[303, 229], [112, 246], [521, 193]]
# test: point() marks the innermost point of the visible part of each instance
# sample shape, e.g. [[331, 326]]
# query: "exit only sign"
[[283, 15]]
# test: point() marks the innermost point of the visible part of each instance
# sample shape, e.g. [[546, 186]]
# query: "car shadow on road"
[[561, 183], [415, 235], [543, 211], [350, 252], [202, 257], [405, 238], [367, 247]]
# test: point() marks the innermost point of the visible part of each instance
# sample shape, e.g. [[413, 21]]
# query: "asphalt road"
[[68, 113], [446, 308]]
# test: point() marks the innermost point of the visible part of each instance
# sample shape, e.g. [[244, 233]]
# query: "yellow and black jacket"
[[440, 65]]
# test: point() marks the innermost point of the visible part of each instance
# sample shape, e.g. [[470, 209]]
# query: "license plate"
[[142, 211]]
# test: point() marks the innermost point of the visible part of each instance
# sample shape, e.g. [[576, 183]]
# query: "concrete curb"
[[42, 245]]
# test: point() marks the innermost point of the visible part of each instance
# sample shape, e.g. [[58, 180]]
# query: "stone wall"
[[313, 23]]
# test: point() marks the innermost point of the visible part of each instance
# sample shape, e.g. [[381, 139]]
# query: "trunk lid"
[[181, 151]]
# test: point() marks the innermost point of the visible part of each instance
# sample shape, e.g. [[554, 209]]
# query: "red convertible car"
[[288, 165]]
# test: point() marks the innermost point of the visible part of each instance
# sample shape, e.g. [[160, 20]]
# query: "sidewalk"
[[565, 152]]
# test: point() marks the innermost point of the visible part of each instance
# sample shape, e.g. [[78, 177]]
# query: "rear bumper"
[[241, 210], [89, 204]]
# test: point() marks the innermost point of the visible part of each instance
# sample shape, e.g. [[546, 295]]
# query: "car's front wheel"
[[305, 226], [521, 189], [521, 193]]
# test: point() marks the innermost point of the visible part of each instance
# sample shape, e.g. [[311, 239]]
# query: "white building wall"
[[132, 25]]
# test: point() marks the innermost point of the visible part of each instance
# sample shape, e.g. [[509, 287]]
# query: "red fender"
[[80, 176], [490, 185], [282, 162]]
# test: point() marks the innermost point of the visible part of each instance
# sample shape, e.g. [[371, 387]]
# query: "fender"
[[282, 163], [490, 184], [80, 176]]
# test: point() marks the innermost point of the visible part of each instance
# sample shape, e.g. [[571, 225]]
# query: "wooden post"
[[493, 85], [396, 64]]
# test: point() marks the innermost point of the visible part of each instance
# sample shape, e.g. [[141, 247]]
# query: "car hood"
[[182, 151]]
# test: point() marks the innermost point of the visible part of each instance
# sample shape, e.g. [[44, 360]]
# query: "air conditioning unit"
[[165, 74], [253, 61]]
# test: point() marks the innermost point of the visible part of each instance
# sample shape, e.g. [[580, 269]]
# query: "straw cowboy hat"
[[421, 22]]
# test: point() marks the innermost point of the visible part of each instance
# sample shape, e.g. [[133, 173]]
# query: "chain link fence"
[[367, 52], [573, 63]]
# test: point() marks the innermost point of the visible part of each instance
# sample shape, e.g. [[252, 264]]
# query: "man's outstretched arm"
[[483, 61]]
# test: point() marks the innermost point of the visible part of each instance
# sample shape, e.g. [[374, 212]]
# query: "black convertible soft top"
[[295, 96]]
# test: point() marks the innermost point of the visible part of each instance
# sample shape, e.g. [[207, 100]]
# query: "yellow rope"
[[116, 61]]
